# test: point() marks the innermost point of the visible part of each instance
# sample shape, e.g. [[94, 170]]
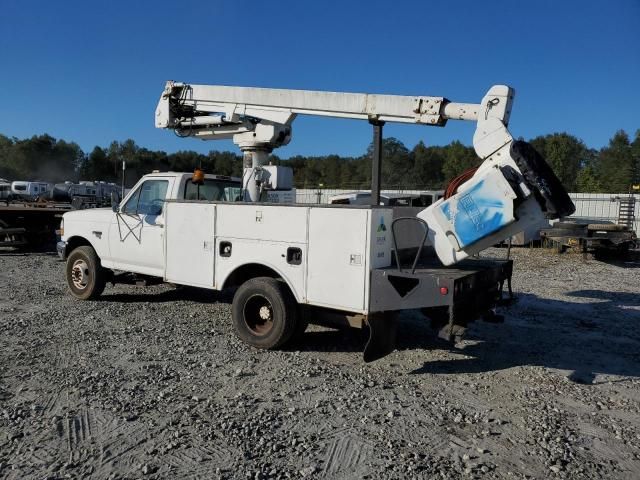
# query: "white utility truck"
[[294, 263]]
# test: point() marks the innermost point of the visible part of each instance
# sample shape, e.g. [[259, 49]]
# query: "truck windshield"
[[212, 190]]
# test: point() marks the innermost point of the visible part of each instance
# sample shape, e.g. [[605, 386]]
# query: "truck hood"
[[100, 215]]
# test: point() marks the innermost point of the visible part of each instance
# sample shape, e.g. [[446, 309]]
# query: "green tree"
[[565, 154], [397, 163], [588, 180], [7, 169], [42, 157], [225, 163], [427, 167], [616, 165], [635, 155], [96, 167], [457, 159]]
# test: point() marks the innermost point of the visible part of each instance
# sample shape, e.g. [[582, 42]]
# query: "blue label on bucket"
[[475, 213]]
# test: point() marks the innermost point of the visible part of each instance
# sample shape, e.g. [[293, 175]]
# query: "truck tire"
[[85, 276], [264, 313]]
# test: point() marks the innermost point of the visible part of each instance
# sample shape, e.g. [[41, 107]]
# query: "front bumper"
[[61, 248]]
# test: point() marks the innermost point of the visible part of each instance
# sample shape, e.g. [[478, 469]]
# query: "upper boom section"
[[266, 114]]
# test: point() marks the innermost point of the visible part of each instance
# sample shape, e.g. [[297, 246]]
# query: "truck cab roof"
[[189, 174]]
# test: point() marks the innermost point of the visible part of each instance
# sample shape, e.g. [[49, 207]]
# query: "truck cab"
[[129, 235]]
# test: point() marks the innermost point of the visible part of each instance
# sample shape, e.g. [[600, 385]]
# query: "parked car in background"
[[30, 190], [422, 199]]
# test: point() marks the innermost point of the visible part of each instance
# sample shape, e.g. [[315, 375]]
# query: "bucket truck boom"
[[512, 188], [292, 264]]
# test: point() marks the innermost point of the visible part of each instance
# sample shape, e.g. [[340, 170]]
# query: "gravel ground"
[[150, 382]]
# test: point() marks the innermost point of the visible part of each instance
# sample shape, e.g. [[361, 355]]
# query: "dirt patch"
[[150, 382]]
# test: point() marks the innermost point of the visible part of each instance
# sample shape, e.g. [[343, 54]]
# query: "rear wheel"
[[264, 313], [85, 276]]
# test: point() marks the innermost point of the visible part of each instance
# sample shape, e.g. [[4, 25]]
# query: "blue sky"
[[92, 72]]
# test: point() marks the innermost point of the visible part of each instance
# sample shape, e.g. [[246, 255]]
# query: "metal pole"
[[376, 161], [124, 167]]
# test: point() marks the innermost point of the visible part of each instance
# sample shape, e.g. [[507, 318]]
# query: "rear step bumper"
[[452, 297], [433, 286]]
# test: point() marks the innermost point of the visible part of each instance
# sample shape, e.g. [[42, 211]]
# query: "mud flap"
[[382, 336], [511, 299], [452, 331]]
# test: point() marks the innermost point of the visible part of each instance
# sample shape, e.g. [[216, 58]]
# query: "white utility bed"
[[338, 247]]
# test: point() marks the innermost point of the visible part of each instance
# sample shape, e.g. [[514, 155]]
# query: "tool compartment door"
[[338, 258], [190, 244]]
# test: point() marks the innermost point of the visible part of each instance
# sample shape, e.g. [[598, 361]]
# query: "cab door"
[[136, 232]]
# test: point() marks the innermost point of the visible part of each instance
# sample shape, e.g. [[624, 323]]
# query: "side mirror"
[[115, 200]]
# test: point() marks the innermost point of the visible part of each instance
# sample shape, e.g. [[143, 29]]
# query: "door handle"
[[155, 224]]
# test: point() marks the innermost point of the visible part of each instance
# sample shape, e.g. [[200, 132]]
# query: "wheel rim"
[[258, 315], [80, 274]]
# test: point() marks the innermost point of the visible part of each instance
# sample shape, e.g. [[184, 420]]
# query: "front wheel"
[[264, 313], [85, 276]]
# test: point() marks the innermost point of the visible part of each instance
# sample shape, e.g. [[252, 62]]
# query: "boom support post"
[[376, 161]]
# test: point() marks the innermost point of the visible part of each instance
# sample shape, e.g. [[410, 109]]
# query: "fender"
[[247, 271]]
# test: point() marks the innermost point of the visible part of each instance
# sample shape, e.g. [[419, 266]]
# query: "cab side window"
[[212, 190], [148, 199], [209, 190]]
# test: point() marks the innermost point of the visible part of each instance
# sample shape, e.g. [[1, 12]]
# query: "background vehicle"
[[31, 219], [94, 193], [30, 190], [392, 199], [602, 238]]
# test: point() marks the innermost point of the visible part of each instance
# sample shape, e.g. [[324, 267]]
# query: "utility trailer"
[[291, 264], [32, 224], [32, 219], [603, 239]]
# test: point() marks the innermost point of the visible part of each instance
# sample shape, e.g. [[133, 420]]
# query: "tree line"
[[613, 168]]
